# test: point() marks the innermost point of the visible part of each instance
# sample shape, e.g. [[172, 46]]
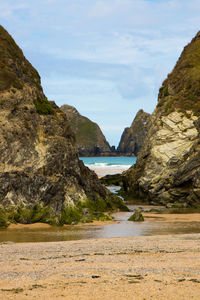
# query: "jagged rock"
[[89, 137], [133, 138], [168, 166], [38, 156]]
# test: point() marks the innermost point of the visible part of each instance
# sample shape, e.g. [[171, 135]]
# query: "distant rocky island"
[[89, 137], [41, 176], [133, 137], [168, 166]]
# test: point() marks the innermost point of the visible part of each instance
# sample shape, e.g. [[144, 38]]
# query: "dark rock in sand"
[[136, 217]]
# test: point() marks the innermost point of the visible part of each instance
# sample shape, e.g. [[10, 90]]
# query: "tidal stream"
[[124, 228]]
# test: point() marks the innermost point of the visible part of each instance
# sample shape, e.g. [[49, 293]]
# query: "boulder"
[[137, 216]]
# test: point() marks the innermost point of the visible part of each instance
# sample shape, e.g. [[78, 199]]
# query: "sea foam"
[[108, 165]]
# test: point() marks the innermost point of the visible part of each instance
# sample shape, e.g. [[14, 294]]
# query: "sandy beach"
[[104, 171], [156, 267], [109, 165]]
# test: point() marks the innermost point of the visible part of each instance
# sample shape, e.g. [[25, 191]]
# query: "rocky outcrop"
[[89, 137], [168, 166], [133, 137], [38, 156]]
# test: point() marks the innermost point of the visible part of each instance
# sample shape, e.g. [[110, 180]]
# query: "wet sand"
[[195, 217], [156, 267], [47, 226]]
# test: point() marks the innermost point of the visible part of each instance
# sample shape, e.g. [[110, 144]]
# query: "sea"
[[109, 165]]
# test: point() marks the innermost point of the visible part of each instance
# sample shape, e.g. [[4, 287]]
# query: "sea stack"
[[89, 137], [39, 161], [168, 165], [133, 137]]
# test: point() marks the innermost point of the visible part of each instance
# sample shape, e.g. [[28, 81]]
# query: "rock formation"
[[38, 157], [168, 166], [132, 138], [89, 137]]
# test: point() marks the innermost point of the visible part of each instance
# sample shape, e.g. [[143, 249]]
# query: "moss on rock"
[[181, 89], [136, 217], [43, 106], [3, 219]]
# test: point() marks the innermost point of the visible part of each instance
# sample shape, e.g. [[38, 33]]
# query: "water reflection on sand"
[[151, 226]]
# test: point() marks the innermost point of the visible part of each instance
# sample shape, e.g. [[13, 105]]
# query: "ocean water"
[[109, 165]]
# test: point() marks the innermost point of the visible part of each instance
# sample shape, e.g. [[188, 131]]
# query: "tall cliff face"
[[89, 137], [168, 166], [133, 137], [38, 156]]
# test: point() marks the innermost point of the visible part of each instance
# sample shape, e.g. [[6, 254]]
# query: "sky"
[[107, 58]]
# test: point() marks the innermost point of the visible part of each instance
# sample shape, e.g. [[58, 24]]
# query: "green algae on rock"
[[136, 216], [168, 166]]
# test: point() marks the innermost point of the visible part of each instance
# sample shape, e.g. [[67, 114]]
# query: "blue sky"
[[107, 58]]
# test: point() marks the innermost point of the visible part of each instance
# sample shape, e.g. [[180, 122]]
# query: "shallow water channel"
[[124, 228]]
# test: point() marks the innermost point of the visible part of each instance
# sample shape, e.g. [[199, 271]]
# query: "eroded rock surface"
[[168, 166], [38, 156]]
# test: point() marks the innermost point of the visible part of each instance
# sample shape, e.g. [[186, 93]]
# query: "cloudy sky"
[[107, 58]]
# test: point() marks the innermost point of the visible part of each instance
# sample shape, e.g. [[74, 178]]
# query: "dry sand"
[[105, 171], [157, 267]]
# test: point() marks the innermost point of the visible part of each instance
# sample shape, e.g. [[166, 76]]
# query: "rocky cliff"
[[89, 137], [168, 166], [133, 137], [38, 157]]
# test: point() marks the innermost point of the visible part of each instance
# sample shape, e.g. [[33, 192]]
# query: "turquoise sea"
[[109, 165]]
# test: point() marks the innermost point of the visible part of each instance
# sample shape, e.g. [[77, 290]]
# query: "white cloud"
[[107, 57]]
